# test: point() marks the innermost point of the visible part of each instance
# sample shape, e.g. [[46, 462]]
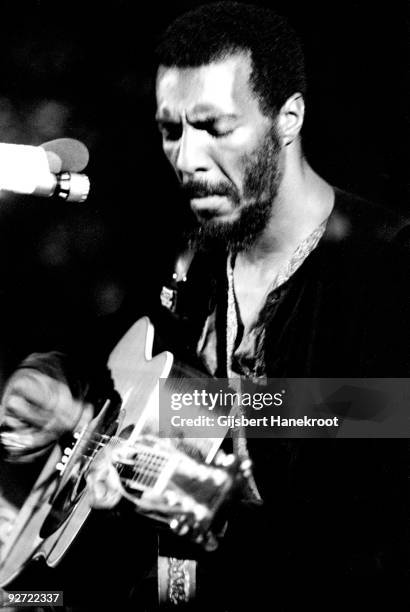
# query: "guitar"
[[167, 486], [182, 491]]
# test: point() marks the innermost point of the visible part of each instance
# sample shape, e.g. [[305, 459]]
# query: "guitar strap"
[[176, 580], [177, 576]]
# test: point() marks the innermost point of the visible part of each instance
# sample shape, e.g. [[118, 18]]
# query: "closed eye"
[[170, 130], [213, 127]]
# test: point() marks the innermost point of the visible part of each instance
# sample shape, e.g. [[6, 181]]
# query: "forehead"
[[221, 86]]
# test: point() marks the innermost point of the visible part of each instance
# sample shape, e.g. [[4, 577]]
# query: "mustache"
[[203, 189]]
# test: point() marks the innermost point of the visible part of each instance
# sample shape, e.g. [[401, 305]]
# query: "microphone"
[[51, 169]]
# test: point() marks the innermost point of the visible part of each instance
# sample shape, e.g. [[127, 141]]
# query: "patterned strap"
[[176, 581]]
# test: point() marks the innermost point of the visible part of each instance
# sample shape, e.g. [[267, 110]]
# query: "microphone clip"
[[72, 187]]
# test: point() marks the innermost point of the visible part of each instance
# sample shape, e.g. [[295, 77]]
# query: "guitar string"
[[148, 464], [146, 476]]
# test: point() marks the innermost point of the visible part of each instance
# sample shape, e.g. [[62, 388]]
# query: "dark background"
[[85, 70]]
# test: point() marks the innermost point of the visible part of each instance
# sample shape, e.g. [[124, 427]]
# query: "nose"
[[192, 156]]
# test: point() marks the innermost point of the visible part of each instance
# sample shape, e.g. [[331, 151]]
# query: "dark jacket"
[[334, 510]]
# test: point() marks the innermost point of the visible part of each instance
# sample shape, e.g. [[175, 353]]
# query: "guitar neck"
[[147, 469]]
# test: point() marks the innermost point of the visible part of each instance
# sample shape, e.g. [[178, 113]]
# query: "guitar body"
[[60, 502], [136, 377], [24, 539], [55, 546]]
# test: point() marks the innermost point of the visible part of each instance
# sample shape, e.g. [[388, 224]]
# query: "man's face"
[[224, 151]]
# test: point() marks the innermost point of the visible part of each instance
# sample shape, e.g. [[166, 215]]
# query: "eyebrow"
[[163, 119], [206, 118], [209, 109]]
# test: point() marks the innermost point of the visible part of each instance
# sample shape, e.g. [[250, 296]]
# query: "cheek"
[[245, 140], [233, 165], [171, 153], [168, 151], [236, 153]]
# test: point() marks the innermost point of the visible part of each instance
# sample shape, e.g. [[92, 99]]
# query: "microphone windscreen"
[[66, 155]]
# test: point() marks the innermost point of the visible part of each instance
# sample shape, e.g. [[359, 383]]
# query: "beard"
[[261, 182]]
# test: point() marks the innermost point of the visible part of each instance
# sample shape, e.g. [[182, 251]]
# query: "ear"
[[290, 118]]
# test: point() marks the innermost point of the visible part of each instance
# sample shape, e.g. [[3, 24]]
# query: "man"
[[296, 293], [292, 278]]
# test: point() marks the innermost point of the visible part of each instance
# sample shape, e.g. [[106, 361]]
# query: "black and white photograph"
[[204, 306]]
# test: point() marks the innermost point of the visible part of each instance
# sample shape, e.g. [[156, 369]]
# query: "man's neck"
[[303, 202]]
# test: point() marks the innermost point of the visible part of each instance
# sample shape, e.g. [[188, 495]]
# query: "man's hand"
[[36, 410], [103, 481]]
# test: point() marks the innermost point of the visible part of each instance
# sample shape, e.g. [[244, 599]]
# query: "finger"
[[66, 414], [41, 400], [18, 408], [28, 397], [104, 485], [29, 384], [24, 441], [12, 423]]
